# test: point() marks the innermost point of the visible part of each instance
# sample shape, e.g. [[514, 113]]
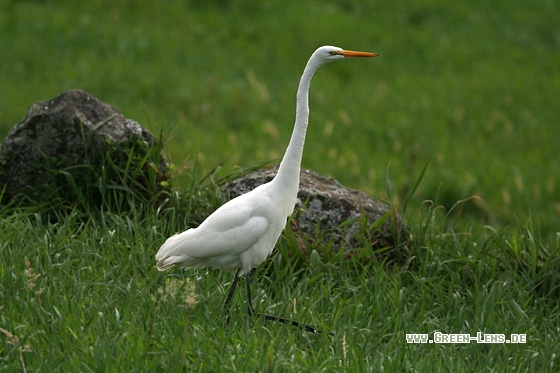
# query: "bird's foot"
[[297, 324]]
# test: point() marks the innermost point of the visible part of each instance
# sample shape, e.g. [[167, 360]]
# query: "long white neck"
[[287, 179]]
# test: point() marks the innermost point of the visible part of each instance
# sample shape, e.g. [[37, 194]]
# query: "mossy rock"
[[80, 150]]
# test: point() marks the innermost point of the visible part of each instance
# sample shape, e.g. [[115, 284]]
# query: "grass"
[[469, 88], [85, 296]]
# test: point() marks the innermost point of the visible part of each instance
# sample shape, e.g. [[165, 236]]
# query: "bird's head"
[[329, 53]]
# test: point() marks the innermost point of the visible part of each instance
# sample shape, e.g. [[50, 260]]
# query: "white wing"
[[232, 229]]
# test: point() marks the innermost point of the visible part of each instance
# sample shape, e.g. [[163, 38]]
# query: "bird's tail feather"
[[165, 263]]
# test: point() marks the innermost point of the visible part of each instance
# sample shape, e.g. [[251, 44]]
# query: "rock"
[[333, 208], [71, 135]]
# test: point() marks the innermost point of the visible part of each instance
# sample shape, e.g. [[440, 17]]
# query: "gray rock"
[[337, 211], [63, 134]]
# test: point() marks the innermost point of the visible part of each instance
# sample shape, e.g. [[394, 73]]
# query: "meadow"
[[471, 90]]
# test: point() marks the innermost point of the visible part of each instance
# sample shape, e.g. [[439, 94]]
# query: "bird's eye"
[[332, 53]]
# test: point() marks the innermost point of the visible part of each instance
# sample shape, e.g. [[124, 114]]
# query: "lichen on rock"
[[69, 144]]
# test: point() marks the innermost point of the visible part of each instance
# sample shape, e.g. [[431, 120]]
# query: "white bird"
[[242, 233]]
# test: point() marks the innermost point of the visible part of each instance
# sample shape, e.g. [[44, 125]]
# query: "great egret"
[[242, 233]]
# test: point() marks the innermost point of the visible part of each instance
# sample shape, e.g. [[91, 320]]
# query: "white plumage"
[[238, 235]]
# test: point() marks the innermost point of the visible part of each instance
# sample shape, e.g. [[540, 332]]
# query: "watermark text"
[[480, 337]]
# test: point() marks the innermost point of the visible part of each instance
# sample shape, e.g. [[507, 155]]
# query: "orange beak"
[[357, 54]]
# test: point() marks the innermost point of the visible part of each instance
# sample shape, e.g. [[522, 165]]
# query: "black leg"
[[249, 301], [232, 289], [282, 320], [307, 328], [252, 312]]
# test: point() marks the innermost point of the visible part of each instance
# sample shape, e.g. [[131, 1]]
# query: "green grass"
[[84, 295], [471, 88]]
